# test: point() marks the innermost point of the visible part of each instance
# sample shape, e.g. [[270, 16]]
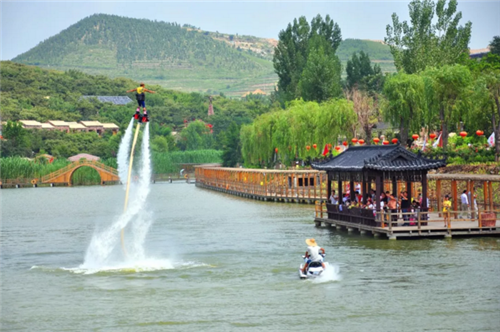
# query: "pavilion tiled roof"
[[379, 158]]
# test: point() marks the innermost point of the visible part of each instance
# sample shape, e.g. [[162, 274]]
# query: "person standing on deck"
[[465, 205], [141, 99], [446, 210]]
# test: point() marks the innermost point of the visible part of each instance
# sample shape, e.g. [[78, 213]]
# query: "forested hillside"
[[158, 52], [32, 93], [174, 57]]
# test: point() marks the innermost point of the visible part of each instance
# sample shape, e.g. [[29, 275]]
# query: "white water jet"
[[104, 251], [123, 153]]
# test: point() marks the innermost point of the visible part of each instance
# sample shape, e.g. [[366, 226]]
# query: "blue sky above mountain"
[[25, 24]]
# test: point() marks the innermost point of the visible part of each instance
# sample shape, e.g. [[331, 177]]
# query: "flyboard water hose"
[[128, 183]]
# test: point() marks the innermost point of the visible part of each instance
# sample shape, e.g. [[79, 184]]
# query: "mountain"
[[156, 52], [173, 56], [379, 52]]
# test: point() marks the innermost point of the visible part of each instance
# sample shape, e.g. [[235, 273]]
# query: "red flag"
[[325, 150]]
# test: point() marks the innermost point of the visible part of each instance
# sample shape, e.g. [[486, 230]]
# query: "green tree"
[[231, 146], [16, 140], [428, 41], [404, 102], [197, 136], [159, 144], [293, 49], [495, 45], [451, 99], [320, 79]]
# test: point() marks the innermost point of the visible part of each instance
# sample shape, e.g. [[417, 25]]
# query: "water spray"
[[131, 162]]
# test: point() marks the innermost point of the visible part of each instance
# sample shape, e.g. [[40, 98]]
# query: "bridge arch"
[[70, 175]]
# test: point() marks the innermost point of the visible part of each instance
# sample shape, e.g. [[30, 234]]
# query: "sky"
[[24, 24]]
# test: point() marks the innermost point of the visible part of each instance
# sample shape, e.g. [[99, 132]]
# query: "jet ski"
[[314, 270]]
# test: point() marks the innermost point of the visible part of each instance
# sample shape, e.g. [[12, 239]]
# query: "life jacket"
[[139, 94]]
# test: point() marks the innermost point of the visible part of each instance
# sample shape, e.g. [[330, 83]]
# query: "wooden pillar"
[[490, 192], [471, 200], [328, 187], [309, 185], [303, 185], [408, 189], [454, 196], [363, 190], [341, 193], [485, 194], [351, 188], [424, 191], [286, 184], [265, 184], [394, 188], [438, 196], [378, 191]]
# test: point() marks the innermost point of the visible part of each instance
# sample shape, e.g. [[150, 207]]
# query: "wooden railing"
[[301, 184], [389, 220]]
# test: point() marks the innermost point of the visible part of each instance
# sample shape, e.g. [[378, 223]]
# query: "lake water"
[[214, 262]]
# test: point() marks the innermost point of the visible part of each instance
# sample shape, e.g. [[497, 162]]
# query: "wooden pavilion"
[[372, 166]]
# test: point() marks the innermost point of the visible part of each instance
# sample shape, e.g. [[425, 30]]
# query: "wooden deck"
[[430, 228]]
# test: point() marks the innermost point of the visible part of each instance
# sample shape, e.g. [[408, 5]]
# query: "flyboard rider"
[[312, 254], [141, 100]]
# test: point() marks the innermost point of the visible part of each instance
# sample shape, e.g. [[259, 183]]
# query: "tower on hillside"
[[210, 106]]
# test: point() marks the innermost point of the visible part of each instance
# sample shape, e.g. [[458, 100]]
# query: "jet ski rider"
[[312, 254]]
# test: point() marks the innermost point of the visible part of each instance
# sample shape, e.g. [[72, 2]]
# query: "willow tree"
[[428, 41], [291, 131], [404, 102], [452, 93]]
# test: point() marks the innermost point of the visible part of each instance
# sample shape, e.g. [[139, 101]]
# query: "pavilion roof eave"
[[379, 159]]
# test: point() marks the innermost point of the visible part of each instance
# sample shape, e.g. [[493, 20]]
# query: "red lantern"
[[479, 133], [432, 136], [394, 141], [361, 141], [376, 140], [314, 146], [463, 134], [276, 150], [354, 140], [344, 143], [308, 148], [337, 148], [414, 136], [385, 142]]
